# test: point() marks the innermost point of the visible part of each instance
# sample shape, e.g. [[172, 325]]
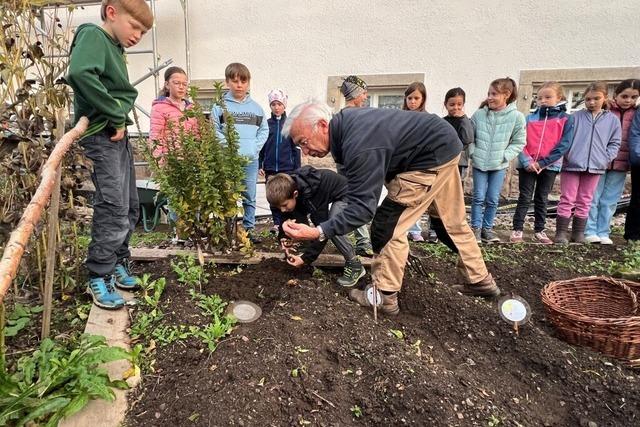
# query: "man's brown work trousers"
[[410, 194]]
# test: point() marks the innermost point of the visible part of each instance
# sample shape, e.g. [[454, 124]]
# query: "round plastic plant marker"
[[370, 296], [245, 311], [514, 309]]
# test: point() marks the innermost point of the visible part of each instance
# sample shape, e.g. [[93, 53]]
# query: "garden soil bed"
[[456, 364]]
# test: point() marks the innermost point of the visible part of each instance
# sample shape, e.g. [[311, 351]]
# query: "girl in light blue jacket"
[[500, 136]]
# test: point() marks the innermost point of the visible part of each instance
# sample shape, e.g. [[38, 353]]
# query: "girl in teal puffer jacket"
[[499, 137]]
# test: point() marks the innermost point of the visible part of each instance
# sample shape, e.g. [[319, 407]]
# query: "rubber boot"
[[562, 230], [577, 231]]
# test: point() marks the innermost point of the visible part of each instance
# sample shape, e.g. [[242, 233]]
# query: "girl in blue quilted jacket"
[[500, 136]]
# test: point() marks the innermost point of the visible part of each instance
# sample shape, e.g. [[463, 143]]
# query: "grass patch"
[[437, 250], [153, 238]]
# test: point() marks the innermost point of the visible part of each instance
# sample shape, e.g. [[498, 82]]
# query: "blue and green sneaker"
[[124, 279], [104, 293]]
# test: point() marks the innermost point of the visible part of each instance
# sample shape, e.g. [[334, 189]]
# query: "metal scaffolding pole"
[[187, 51], [154, 45]]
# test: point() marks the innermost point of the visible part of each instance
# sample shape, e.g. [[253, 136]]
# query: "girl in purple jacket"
[[611, 184], [596, 141]]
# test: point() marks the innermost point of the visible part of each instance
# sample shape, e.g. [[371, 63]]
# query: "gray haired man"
[[416, 157]]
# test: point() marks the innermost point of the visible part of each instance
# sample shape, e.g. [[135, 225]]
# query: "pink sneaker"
[[416, 237], [541, 237], [516, 236]]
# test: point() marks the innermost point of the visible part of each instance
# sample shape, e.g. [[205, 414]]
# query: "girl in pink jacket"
[[168, 109]]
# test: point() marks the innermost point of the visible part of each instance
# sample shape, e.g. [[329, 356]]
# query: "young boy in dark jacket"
[[308, 192], [278, 154], [103, 94]]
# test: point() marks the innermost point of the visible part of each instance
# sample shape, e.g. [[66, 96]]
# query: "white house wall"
[[297, 45]]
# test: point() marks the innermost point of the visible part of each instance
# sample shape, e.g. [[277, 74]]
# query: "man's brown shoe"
[[485, 288], [389, 302]]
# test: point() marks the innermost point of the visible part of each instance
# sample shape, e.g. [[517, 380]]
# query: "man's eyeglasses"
[[302, 142]]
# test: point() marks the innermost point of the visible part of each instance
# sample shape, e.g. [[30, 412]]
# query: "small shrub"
[[202, 178]]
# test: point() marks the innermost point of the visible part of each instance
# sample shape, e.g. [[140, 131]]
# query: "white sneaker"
[[592, 239], [606, 241]]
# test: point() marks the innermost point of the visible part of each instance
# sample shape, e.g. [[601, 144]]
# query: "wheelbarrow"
[[152, 202]]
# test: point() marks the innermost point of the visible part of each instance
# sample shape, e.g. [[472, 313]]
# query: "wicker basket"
[[597, 312]]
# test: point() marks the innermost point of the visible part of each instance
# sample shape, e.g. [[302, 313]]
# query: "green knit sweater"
[[99, 78]]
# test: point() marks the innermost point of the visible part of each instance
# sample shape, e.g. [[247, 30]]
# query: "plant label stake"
[[514, 310], [374, 297]]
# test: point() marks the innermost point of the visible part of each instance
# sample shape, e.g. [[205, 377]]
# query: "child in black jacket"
[[316, 194], [278, 154]]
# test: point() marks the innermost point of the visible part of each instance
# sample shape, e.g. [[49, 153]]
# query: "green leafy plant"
[[145, 321], [144, 324], [437, 251], [19, 319], [298, 371], [152, 289], [202, 177], [211, 305], [212, 333], [57, 381], [629, 268], [189, 272], [168, 334], [300, 349], [494, 421], [356, 411], [220, 326], [397, 333]]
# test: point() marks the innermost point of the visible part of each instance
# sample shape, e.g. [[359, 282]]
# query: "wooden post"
[[52, 234]]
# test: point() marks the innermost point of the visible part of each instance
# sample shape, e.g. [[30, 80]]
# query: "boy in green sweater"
[[103, 94]]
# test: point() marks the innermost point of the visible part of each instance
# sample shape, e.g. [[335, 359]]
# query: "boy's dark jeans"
[[115, 203], [632, 222], [543, 183]]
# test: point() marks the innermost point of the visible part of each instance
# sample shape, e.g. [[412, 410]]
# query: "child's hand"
[[285, 243], [295, 260], [534, 167], [261, 173], [118, 135]]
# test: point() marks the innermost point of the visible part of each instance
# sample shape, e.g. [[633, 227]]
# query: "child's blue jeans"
[[249, 195], [604, 203], [115, 202], [486, 195]]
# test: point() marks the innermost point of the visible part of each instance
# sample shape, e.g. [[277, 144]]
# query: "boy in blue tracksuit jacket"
[[278, 154], [252, 128]]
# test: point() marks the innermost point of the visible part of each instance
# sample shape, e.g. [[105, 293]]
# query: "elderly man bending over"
[[415, 155]]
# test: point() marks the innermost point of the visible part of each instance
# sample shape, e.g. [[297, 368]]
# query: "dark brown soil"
[[458, 363]]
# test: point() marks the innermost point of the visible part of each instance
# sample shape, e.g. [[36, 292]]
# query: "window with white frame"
[[385, 98]]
